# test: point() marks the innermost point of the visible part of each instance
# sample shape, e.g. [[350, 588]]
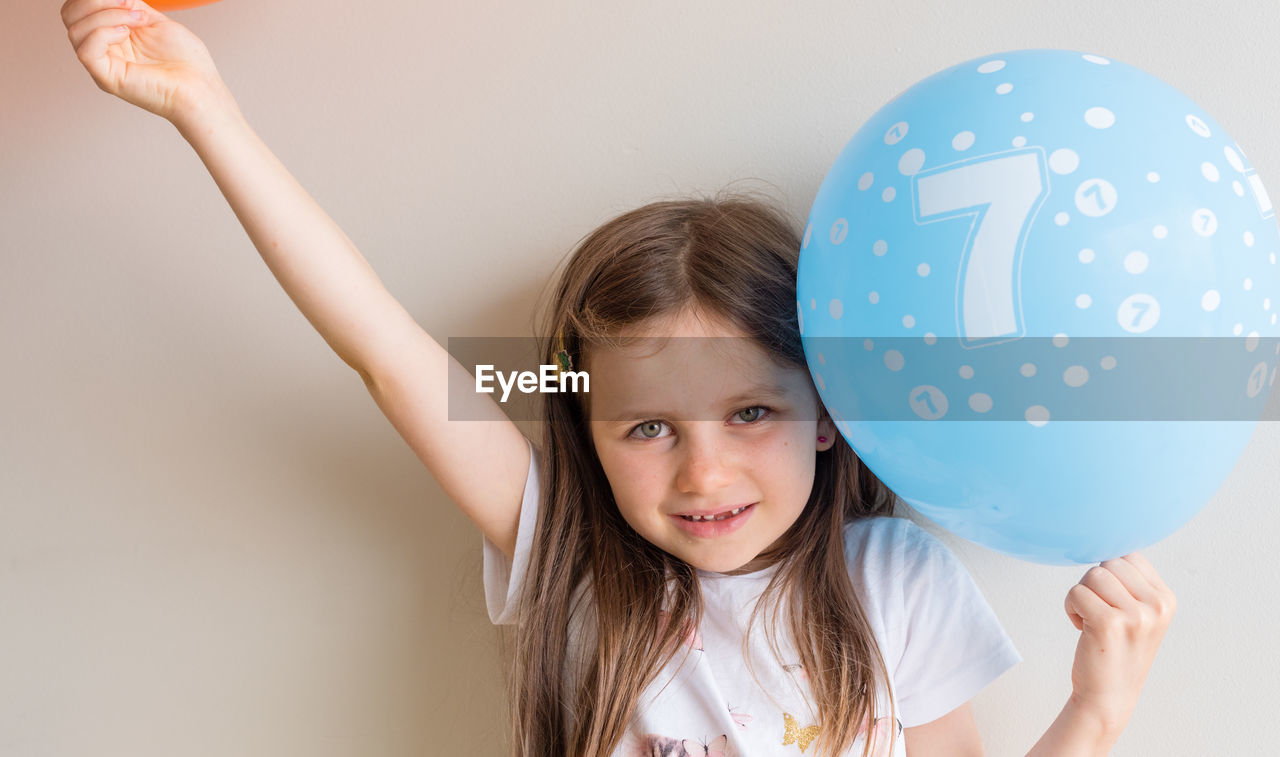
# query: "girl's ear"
[[826, 436]]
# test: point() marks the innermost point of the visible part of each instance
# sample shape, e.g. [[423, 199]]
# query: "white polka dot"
[[1273, 258], [839, 230], [1096, 197], [1097, 59], [1061, 219], [962, 141], [1063, 161], [991, 67], [1004, 89], [1198, 126], [1266, 304], [1099, 117], [1159, 232], [980, 402], [1210, 300], [1136, 261], [808, 231], [923, 269], [1060, 340], [1108, 363], [888, 194], [1019, 141], [817, 377], [1238, 188], [911, 162], [873, 297], [880, 247], [930, 338], [1233, 158], [1209, 171], [1153, 177], [966, 371], [868, 345], [1251, 341], [896, 132], [813, 304], [908, 321], [1237, 329], [1076, 375], [1248, 239], [1086, 255], [1083, 301], [836, 308], [1204, 222], [1037, 415], [1273, 319], [822, 359], [1137, 313], [1027, 117], [1248, 284], [1028, 370], [864, 181], [893, 360]]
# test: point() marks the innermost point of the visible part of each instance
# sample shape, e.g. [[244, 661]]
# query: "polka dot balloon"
[[1036, 294]]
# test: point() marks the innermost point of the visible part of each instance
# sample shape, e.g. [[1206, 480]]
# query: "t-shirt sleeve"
[[502, 576], [952, 645]]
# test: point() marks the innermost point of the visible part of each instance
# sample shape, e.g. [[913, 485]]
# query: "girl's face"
[[705, 424]]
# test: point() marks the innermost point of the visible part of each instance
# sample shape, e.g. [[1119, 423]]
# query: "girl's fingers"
[[93, 51], [1106, 585], [1147, 569], [1132, 579], [1083, 604], [80, 30], [76, 10]]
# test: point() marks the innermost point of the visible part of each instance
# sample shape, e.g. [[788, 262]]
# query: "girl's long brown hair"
[[734, 257]]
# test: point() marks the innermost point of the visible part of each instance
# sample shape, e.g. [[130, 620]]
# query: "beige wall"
[[212, 543]]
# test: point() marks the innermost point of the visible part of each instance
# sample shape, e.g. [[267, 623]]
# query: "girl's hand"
[[1123, 608], [137, 54]]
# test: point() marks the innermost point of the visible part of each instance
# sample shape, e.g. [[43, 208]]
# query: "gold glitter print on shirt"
[[792, 733]]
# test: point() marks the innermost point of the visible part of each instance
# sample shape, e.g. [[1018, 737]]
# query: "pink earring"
[[822, 440]]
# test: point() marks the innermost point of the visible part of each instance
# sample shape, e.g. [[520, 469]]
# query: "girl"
[[697, 563]]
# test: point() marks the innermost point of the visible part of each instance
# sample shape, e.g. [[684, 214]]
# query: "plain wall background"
[[212, 542]]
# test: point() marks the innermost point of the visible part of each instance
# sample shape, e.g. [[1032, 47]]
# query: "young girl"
[[696, 562]]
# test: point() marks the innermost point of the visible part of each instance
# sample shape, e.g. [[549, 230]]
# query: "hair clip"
[[562, 355]]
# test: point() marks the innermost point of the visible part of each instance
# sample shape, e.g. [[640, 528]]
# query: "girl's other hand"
[[1123, 608], [137, 54]]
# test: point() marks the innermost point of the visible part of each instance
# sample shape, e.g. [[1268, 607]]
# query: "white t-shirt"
[[939, 638]]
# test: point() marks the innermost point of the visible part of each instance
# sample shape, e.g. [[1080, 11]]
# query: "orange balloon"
[[176, 5]]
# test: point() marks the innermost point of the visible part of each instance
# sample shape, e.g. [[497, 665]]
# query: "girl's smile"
[[710, 524]]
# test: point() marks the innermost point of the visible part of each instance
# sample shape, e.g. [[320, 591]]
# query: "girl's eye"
[[752, 414], [649, 429], [653, 429]]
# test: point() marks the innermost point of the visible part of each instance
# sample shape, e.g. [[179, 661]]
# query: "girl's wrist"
[[1104, 722], [1080, 730], [204, 107]]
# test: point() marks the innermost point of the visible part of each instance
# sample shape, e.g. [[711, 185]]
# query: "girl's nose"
[[705, 467]]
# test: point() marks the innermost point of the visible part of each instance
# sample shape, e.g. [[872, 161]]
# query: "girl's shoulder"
[[893, 546], [888, 533]]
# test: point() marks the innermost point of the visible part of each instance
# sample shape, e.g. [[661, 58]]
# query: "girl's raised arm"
[[138, 54]]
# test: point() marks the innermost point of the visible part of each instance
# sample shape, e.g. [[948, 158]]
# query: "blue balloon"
[[1038, 295]]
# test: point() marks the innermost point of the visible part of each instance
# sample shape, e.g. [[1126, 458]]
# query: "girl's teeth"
[[729, 514]]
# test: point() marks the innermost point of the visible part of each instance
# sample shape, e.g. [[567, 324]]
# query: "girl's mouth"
[[717, 524]]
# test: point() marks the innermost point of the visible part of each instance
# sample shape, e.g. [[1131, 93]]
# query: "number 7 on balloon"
[[1001, 193]]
